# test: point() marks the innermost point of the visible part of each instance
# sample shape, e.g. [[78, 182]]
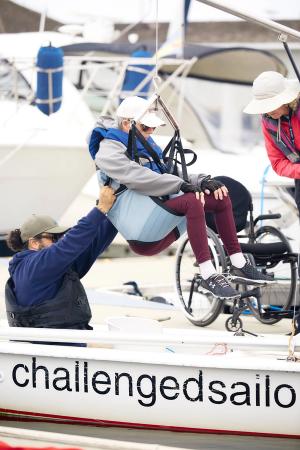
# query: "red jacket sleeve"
[[280, 164]]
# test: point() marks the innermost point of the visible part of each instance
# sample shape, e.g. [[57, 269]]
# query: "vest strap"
[[175, 149], [134, 134]]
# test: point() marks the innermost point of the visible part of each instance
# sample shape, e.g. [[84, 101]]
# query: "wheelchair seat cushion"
[[268, 249]]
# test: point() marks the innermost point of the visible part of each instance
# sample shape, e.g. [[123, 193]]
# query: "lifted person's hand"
[[211, 185], [106, 199], [188, 187]]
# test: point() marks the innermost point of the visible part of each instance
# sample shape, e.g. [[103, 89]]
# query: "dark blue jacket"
[[38, 275]]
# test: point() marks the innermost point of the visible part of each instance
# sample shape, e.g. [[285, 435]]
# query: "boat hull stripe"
[[8, 414]]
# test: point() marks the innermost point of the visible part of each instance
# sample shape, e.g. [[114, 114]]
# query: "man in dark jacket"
[[44, 288]]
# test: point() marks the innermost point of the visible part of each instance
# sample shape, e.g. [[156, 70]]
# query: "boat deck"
[[155, 277]]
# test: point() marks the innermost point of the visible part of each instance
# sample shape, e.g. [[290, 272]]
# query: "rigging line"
[[156, 78], [156, 40]]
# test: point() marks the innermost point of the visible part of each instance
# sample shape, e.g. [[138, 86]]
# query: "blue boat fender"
[[49, 79], [136, 74]]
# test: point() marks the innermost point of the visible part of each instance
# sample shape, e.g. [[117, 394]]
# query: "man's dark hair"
[[14, 241]]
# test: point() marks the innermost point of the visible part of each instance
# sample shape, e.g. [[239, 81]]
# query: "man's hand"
[[106, 199], [209, 185]]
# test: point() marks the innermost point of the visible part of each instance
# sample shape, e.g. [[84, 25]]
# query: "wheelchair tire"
[[230, 326], [199, 308], [280, 296]]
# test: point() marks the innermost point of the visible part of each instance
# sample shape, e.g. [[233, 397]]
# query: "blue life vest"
[[143, 154], [96, 137], [137, 217], [115, 134]]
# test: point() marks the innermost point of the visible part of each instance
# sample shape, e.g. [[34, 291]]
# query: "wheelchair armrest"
[[266, 217]]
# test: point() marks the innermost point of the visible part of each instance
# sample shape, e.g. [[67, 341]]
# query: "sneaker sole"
[[206, 291], [241, 280]]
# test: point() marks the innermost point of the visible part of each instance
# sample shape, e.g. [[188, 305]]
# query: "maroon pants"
[[193, 210]]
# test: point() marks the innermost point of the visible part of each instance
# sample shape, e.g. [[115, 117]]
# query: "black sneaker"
[[249, 274], [219, 287]]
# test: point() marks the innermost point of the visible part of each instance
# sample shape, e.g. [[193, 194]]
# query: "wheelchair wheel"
[[200, 308], [233, 325], [279, 296]]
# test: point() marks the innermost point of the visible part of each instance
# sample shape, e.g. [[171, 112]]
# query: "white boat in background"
[[168, 379], [207, 103], [43, 159], [133, 373], [44, 162]]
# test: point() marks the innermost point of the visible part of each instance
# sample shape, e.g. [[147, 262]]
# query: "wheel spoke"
[[280, 295], [200, 307]]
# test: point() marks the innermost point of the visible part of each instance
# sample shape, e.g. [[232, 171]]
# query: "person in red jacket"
[[277, 99]]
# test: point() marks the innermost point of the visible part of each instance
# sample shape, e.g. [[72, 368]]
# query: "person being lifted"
[[184, 203]]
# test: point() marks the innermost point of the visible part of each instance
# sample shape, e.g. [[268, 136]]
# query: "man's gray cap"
[[35, 225]]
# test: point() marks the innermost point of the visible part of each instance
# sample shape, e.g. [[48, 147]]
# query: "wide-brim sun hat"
[[133, 107], [37, 224], [270, 91]]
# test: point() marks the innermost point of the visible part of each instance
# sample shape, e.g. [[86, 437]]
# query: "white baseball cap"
[[132, 107], [270, 91]]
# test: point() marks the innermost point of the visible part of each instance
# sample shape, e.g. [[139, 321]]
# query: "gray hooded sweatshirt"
[[112, 160]]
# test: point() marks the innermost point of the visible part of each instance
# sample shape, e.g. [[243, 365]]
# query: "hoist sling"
[[141, 218]]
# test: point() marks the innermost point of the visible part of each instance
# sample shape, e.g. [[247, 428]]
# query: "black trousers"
[[297, 200], [297, 194]]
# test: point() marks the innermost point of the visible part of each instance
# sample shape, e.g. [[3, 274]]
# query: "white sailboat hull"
[[177, 386], [47, 186], [44, 161]]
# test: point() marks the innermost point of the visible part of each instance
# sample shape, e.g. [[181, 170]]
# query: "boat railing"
[[182, 338], [13, 85], [92, 66], [99, 81], [12, 81]]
